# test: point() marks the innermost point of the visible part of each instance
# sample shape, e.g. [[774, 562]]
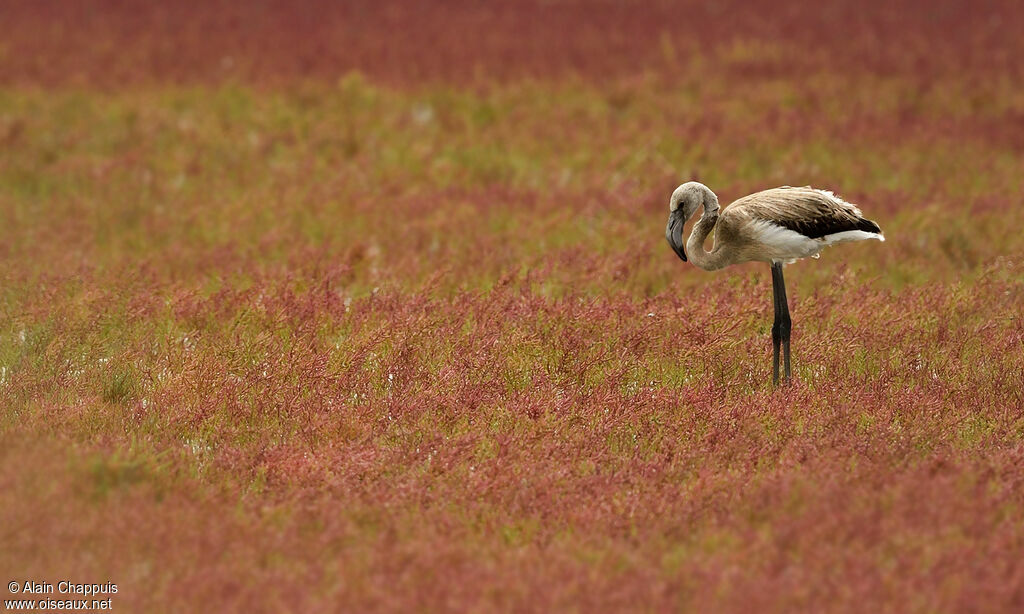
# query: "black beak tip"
[[673, 233]]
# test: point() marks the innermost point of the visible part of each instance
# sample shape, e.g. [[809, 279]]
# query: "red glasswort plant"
[[275, 335]]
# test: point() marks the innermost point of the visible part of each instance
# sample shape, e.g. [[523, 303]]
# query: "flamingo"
[[777, 226]]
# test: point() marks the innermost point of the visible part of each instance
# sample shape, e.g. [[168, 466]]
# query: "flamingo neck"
[[709, 261]]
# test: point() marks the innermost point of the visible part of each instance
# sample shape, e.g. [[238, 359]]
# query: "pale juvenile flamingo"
[[776, 226]]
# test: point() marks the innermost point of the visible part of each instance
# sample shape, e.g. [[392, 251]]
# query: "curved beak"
[[674, 233]]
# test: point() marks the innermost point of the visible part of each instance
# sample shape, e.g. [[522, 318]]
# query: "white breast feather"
[[788, 245], [850, 235], [783, 243]]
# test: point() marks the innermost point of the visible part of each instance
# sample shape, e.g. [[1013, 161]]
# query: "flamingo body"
[[777, 226]]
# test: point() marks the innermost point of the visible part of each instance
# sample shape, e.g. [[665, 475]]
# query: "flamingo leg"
[[782, 326]]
